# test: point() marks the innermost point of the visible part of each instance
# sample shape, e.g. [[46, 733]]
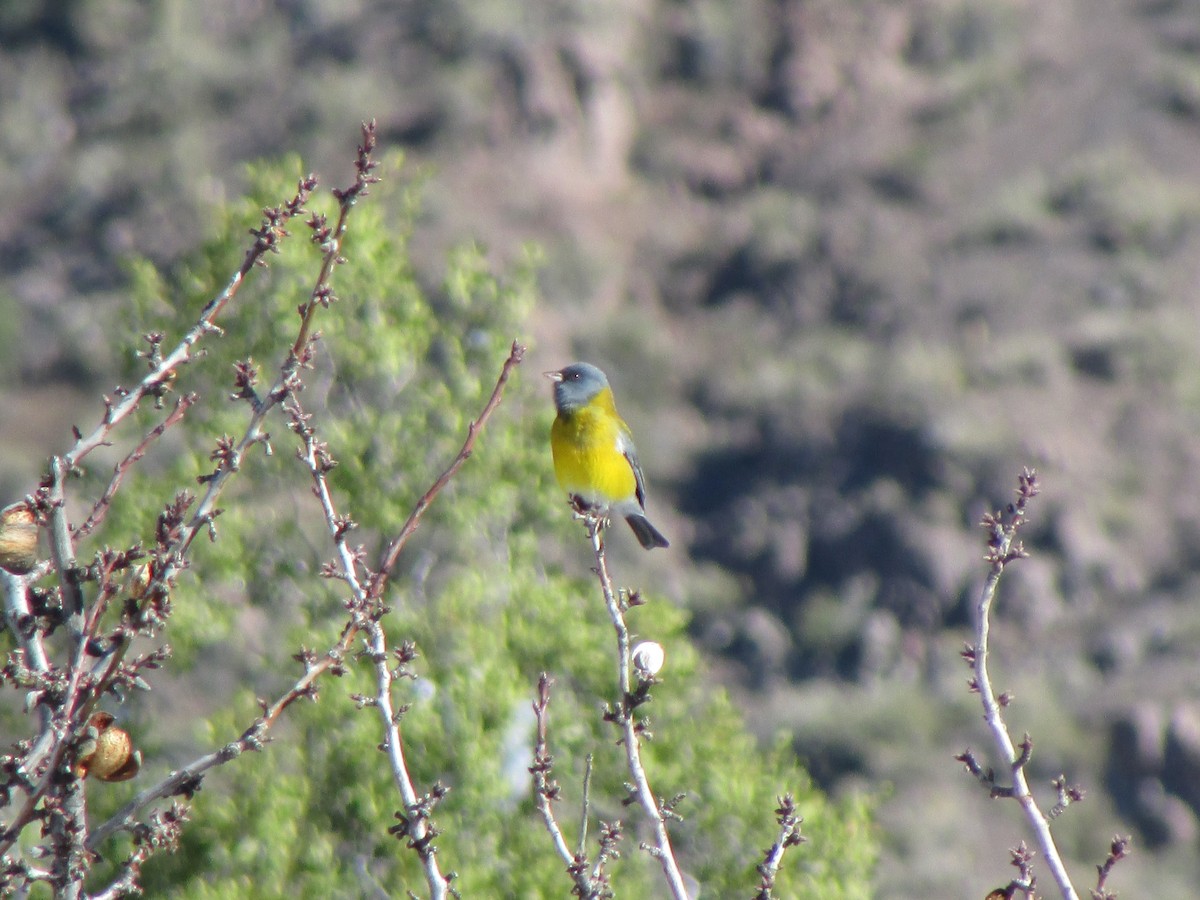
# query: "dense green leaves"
[[494, 590]]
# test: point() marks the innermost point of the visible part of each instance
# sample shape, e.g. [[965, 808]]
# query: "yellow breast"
[[588, 459]]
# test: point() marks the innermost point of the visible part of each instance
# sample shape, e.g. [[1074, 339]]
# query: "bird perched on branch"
[[594, 457]]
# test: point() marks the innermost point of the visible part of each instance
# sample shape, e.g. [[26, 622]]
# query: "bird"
[[595, 461]]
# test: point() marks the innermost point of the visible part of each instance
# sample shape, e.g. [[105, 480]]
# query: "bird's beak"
[[553, 376]]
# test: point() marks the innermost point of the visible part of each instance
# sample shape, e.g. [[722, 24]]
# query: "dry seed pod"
[[648, 658], [106, 752], [18, 538]]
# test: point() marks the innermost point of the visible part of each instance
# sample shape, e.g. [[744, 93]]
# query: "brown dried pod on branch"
[[18, 538], [106, 752]]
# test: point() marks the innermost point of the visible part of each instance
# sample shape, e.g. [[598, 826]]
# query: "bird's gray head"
[[576, 385]]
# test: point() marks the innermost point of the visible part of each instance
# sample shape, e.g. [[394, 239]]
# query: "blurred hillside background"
[[850, 267]]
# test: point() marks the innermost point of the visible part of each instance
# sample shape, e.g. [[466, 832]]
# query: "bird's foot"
[[589, 513]]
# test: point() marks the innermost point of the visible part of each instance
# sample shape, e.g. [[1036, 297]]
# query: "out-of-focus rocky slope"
[[850, 265]]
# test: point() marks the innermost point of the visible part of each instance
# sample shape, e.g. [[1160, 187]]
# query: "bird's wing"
[[625, 445]]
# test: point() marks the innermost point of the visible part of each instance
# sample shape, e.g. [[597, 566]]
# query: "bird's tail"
[[648, 536]]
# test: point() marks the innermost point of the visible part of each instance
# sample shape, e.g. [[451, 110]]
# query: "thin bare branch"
[[268, 235], [623, 716], [789, 836], [1003, 548], [366, 611], [185, 781], [100, 509], [392, 552], [589, 885]]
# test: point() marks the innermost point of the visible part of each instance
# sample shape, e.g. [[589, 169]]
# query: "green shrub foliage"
[[495, 588]]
